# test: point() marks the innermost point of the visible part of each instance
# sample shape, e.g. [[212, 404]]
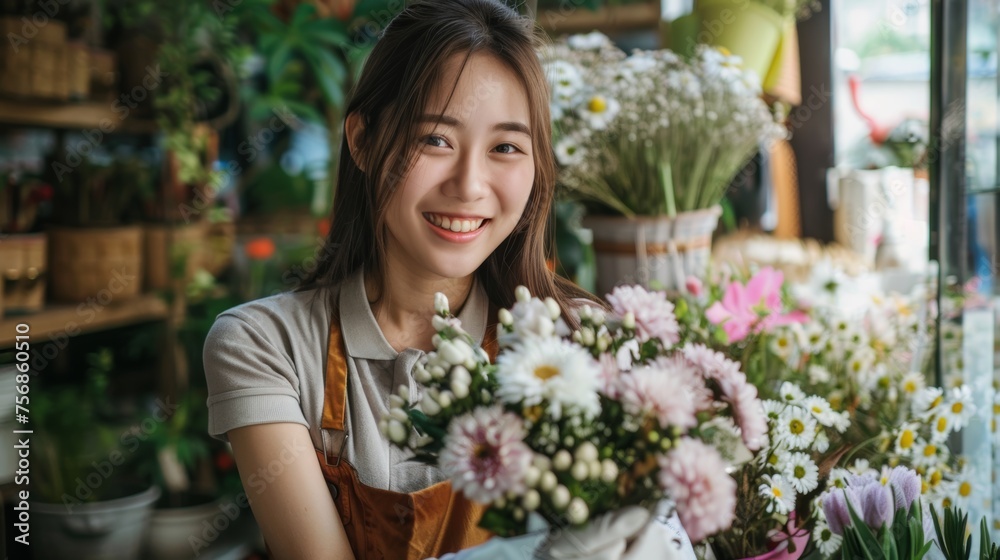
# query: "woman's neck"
[[406, 304]]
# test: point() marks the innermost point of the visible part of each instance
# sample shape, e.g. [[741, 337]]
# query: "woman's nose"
[[469, 182]]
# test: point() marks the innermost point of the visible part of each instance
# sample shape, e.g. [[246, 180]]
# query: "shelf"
[[105, 116], [607, 18], [73, 319]]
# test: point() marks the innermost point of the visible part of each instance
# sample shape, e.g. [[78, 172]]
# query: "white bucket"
[[652, 249]]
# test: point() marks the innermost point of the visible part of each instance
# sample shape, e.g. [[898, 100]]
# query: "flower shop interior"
[[811, 184]]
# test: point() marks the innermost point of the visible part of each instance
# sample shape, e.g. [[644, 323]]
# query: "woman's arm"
[[287, 492]]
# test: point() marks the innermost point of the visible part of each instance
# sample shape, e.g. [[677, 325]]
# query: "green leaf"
[[278, 61], [303, 13], [327, 31]]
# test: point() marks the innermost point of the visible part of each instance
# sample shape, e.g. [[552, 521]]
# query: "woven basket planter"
[[22, 272], [656, 250], [101, 263]]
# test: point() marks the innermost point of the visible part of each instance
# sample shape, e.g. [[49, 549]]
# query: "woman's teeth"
[[454, 224]]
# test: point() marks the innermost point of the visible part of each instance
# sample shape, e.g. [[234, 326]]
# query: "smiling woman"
[[445, 185]]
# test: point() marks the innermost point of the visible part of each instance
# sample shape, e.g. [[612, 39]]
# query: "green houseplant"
[[650, 142], [89, 498]]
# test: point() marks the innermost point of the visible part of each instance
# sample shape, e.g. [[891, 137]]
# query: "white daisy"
[[773, 409], [842, 422], [549, 371], [564, 77], [826, 540], [599, 110], [912, 383], [941, 427], [779, 491], [569, 151], [907, 439], [927, 453], [818, 374], [791, 393], [959, 407], [814, 337], [838, 478], [860, 466], [795, 427], [822, 443], [820, 409], [783, 344], [589, 41], [926, 402], [801, 472]]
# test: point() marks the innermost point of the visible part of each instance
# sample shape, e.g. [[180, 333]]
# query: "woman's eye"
[[507, 148], [435, 141]]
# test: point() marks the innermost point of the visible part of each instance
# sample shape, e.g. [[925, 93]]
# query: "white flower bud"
[[531, 500], [578, 511], [560, 497], [518, 514], [587, 452], [404, 393], [463, 347], [436, 340], [500, 502], [451, 353], [599, 317], [396, 401], [506, 319], [485, 395], [548, 481], [439, 323], [541, 462], [437, 372], [522, 294], [595, 469], [441, 303], [602, 344], [628, 321], [461, 374], [577, 337], [429, 405], [553, 306], [421, 375], [586, 312], [398, 414], [383, 426], [397, 433], [445, 398], [587, 336], [532, 476], [562, 460], [459, 389], [609, 471], [580, 470]]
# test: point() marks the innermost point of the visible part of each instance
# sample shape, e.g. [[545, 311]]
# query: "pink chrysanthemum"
[[656, 391], [608, 374], [694, 475], [485, 455], [654, 315], [748, 412]]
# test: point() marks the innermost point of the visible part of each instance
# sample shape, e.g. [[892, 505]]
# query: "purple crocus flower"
[[835, 508], [876, 505], [905, 485]]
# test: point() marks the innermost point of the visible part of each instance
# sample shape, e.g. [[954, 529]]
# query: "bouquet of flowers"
[[570, 424], [650, 133]]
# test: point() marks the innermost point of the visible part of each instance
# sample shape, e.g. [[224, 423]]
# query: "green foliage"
[[903, 539], [98, 194], [951, 538]]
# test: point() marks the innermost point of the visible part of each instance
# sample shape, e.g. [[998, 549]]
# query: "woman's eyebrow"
[[509, 126]]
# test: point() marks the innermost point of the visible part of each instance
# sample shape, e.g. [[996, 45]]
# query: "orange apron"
[[382, 524]]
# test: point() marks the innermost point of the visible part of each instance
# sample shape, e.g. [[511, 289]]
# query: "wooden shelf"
[[607, 18], [100, 115], [72, 319]]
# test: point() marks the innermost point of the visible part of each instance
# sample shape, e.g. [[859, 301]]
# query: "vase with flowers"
[[650, 143]]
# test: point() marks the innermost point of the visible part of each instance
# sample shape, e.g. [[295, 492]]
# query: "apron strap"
[[334, 432]]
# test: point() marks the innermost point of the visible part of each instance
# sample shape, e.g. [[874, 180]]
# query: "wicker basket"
[[78, 71], [101, 263], [37, 67], [23, 272]]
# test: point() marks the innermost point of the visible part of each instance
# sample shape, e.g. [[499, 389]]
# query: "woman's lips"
[[445, 226]]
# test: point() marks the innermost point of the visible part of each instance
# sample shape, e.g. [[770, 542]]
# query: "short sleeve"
[[250, 380]]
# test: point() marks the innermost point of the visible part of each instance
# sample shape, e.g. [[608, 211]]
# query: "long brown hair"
[[393, 90]]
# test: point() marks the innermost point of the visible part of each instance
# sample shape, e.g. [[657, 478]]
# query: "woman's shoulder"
[[284, 318]]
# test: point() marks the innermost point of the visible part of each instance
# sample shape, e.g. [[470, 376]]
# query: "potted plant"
[[650, 143], [94, 241], [88, 499], [197, 475]]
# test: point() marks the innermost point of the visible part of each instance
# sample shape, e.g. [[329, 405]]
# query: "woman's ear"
[[354, 129]]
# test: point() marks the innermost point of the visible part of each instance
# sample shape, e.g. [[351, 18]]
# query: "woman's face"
[[472, 176]]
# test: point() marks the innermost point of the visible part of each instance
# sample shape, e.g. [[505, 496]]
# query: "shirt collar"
[[364, 339]]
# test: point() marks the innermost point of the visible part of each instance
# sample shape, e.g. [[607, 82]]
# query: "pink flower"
[[654, 315], [693, 285], [694, 475], [607, 374], [755, 307], [749, 414], [656, 390], [485, 455]]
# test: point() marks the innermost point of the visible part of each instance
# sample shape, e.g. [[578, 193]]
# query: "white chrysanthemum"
[[783, 344], [773, 410], [822, 443], [926, 402], [564, 78], [791, 393], [928, 453], [795, 427], [941, 427], [837, 478], [814, 337], [588, 42], [907, 439], [912, 383], [599, 110], [485, 455], [780, 493], [860, 466], [842, 422], [959, 407], [569, 151], [826, 540], [820, 409], [551, 371], [801, 472]]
